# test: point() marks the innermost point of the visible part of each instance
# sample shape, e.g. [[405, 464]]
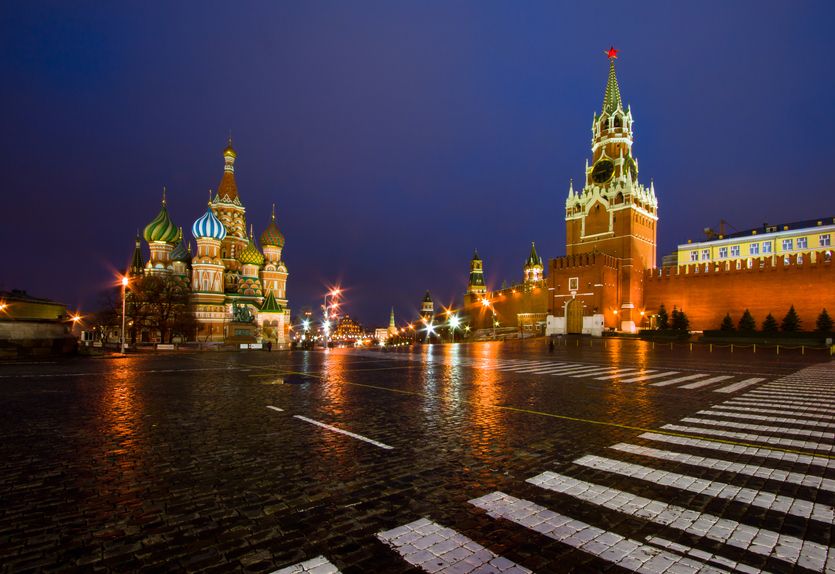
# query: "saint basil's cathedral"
[[231, 281]]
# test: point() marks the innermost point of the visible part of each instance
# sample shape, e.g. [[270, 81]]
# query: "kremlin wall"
[[609, 279]]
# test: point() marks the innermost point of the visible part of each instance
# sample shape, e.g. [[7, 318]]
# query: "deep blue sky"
[[394, 136]]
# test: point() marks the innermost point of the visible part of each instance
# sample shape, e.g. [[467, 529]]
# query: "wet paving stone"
[[174, 463]]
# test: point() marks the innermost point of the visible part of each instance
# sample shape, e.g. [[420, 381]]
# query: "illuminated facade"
[[803, 239], [228, 269]]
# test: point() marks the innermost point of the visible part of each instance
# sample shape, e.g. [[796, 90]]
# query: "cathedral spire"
[[137, 264], [611, 99]]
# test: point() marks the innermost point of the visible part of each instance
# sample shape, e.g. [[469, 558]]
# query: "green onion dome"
[[250, 255], [272, 236], [161, 228]]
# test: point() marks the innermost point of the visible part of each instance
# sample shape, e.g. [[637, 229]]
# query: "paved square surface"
[[493, 457]]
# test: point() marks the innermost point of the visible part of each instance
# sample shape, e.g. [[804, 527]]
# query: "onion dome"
[[161, 229], [272, 236], [250, 255], [208, 226], [181, 252]]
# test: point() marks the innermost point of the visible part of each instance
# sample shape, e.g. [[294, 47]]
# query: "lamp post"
[[124, 288], [454, 321], [325, 315]]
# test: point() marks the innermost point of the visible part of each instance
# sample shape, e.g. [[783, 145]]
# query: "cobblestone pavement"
[[493, 457]]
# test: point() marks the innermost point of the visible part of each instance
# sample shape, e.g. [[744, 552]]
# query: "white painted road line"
[[773, 411], [437, 549], [609, 546], [318, 565], [702, 555], [759, 451], [772, 440], [679, 380], [607, 377], [722, 530], [346, 433], [648, 377], [742, 401], [714, 489], [740, 385], [727, 466], [609, 370], [772, 419], [779, 396], [704, 383], [275, 408], [760, 428]]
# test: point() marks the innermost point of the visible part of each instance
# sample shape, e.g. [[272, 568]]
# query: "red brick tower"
[[614, 214]]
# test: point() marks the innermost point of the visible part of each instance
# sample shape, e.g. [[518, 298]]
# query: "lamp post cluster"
[[327, 313]]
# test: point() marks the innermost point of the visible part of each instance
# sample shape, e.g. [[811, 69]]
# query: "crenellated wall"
[[706, 292]]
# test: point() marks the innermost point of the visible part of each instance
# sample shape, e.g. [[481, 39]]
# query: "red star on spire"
[[611, 53]]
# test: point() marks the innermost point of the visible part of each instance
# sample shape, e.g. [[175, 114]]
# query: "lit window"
[[705, 254], [754, 249], [750, 263], [802, 243], [824, 239], [786, 260], [788, 244], [766, 247], [734, 250], [694, 256], [723, 252]]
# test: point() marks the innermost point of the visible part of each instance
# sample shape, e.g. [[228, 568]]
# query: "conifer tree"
[[727, 323], [680, 322], [791, 322], [824, 323], [663, 319], [770, 324], [747, 323]]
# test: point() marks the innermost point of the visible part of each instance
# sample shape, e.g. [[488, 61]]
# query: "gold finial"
[[163, 195], [229, 141], [273, 212], [251, 232], [210, 196]]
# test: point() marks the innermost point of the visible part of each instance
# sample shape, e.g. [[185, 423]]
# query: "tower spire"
[[273, 212], [611, 99], [163, 194]]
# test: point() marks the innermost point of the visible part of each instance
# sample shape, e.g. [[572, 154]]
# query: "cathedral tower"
[[427, 307], [613, 213], [230, 211], [207, 277], [476, 287]]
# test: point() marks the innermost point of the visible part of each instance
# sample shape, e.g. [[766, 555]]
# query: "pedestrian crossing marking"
[[710, 381], [722, 530], [318, 565], [435, 548], [679, 380], [738, 436], [755, 417], [715, 489], [774, 411], [643, 378], [625, 552], [740, 385], [761, 428]]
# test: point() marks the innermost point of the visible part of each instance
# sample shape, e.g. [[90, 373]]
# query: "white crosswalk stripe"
[[435, 548], [679, 380], [715, 489], [811, 406], [773, 411], [771, 419], [576, 370], [760, 428], [318, 565], [626, 553], [710, 381], [757, 451], [761, 541], [772, 440], [643, 378], [740, 385], [727, 466]]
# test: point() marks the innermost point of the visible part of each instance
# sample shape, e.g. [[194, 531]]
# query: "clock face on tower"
[[603, 171]]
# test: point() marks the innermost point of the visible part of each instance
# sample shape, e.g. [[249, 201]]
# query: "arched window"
[[827, 256], [617, 121]]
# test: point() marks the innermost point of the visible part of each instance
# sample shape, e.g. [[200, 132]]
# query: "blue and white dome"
[[208, 226]]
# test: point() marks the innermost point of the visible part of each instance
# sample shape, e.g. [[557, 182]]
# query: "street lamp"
[[454, 321], [125, 281], [325, 314]]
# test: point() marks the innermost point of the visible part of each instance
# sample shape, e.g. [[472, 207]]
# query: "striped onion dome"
[[272, 235], [251, 255], [181, 253], [161, 228], [208, 225]]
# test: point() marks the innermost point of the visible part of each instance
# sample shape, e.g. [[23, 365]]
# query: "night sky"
[[395, 137]]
